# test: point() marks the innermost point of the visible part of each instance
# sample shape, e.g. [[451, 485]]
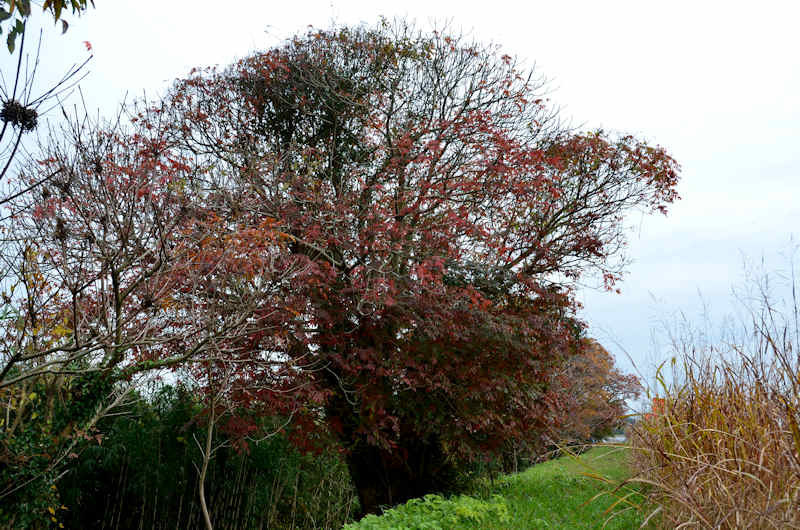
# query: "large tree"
[[409, 217], [443, 215]]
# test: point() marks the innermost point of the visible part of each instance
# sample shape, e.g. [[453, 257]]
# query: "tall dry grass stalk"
[[721, 447]]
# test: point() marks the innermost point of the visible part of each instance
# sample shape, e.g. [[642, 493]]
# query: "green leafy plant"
[[435, 512]]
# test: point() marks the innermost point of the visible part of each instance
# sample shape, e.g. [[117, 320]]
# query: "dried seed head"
[[17, 114]]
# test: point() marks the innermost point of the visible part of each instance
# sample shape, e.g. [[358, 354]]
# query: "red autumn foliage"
[[442, 213], [379, 229]]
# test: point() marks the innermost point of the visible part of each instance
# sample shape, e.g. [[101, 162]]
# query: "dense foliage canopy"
[[375, 231]]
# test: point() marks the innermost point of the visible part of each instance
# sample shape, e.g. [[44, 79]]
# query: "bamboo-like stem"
[[204, 469]]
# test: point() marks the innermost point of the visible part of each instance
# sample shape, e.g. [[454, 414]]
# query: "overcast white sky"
[[716, 83]]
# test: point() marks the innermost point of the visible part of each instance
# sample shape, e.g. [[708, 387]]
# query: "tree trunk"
[[416, 466], [384, 479]]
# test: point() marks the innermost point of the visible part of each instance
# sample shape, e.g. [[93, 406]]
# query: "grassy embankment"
[[555, 494]]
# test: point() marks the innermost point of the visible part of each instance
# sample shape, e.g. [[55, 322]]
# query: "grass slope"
[[554, 494], [558, 494]]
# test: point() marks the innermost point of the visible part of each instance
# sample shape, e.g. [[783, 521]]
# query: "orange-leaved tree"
[[597, 393]]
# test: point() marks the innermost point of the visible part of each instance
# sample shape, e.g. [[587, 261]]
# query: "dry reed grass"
[[721, 447]]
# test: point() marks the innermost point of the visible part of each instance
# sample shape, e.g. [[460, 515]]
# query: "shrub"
[[435, 512]]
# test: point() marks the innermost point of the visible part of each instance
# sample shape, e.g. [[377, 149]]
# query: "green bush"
[[435, 512], [43, 423]]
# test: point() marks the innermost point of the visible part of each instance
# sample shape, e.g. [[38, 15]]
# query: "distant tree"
[[590, 393], [438, 214], [596, 393]]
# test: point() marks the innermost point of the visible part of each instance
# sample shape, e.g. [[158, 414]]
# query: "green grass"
[[555, 494], [559, 494]]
